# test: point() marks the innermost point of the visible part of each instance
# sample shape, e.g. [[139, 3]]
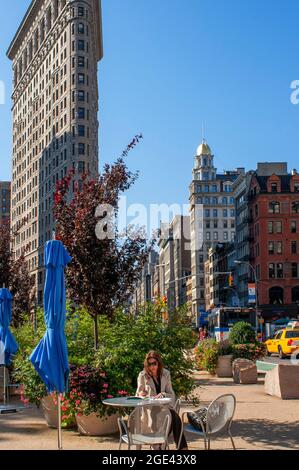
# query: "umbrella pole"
[[59, 422], [4, 385]]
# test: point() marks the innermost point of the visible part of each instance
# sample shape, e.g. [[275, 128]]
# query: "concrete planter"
[[93, 425], [50, 411], [224, 366]]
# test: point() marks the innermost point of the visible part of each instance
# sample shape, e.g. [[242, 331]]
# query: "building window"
[[215, 213], [274, 207], [81, 28], [81, 131], [81, 148], [208, 224], [215, 236], [271, 271], [207, 200], [207, 187], [232, 212], [224, 200], [81, 78], [296, 188], [279, 248], [225, 236], [293, 226], [81, 95], [81, 61], [225, 224], [294, 270], [294, 247], [295, 294], [295, 207], [215, 223], [278, 227], [214, 188], [225, 213], [81, 167], [81, 45], [208, 236], [273, 187], [81, 113], [271, 248], [80, 11], [276, 295], [207, 212], [270, 227], [279, 270]]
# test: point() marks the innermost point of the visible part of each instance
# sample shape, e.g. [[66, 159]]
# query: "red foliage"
[[103, 273]]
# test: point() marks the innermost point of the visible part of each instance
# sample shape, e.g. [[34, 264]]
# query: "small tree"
[[104, 271], [14, 274], [242, 333]]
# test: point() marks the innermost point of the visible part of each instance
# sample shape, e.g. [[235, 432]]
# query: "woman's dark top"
[[157, 383]]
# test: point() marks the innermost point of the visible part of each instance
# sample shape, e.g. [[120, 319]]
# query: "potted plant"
[[88, 388], [215, 358]]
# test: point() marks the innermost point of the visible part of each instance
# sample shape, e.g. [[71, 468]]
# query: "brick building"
[[274, 239]]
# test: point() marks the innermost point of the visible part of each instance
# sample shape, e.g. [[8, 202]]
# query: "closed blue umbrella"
[[50, 357], [7, 340]]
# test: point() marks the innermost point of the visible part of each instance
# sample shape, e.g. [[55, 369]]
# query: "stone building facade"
[[55, 54], [212, 216]]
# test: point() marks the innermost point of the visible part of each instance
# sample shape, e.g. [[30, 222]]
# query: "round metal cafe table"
[[124, 402]]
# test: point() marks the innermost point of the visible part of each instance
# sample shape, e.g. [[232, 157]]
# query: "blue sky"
[[170, 65]]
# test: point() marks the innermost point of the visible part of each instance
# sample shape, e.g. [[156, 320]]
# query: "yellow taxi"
[[284, 342]]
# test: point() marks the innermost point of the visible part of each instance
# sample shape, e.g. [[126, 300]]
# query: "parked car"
[[284, 342]]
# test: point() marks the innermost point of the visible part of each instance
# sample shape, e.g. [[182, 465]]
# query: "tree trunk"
[[96, 332]]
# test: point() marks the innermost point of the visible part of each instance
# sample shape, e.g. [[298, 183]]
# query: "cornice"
[[30, 14], [49, 41]]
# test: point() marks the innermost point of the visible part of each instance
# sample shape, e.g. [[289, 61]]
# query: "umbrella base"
[[6, 409]]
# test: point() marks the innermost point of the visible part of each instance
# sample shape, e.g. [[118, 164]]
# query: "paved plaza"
[[261, 422]]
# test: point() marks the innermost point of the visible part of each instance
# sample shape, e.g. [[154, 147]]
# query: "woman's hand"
[[159, 396], [143, 394]]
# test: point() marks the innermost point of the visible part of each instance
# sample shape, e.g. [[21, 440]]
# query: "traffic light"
[[230, 280]]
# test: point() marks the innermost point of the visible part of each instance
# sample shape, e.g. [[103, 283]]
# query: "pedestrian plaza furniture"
[[283, 381], [145, 418], [219, 416], [146, 426], [244, 371]]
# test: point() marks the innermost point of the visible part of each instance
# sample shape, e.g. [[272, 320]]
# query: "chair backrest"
[[177, 406], [154, 421], [220, 413]]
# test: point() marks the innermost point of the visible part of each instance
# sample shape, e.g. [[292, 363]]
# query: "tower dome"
[[203, 149]]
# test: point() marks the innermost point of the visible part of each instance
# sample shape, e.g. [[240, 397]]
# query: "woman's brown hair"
[[153, 355]]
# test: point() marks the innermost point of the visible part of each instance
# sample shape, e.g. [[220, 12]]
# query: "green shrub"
[[207, 354], [242, 333], [125, 342], [249, 351]]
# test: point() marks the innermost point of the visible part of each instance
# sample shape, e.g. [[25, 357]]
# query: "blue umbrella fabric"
[[6, 336], [50, 357]]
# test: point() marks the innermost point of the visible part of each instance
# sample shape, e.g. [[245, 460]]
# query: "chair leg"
[[209, 443], [205, 443], [232, 441]]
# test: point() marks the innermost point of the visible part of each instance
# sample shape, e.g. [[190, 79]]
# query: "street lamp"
[[239, 263]]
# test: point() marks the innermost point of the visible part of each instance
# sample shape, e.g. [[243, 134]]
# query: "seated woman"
[[155, 381]]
